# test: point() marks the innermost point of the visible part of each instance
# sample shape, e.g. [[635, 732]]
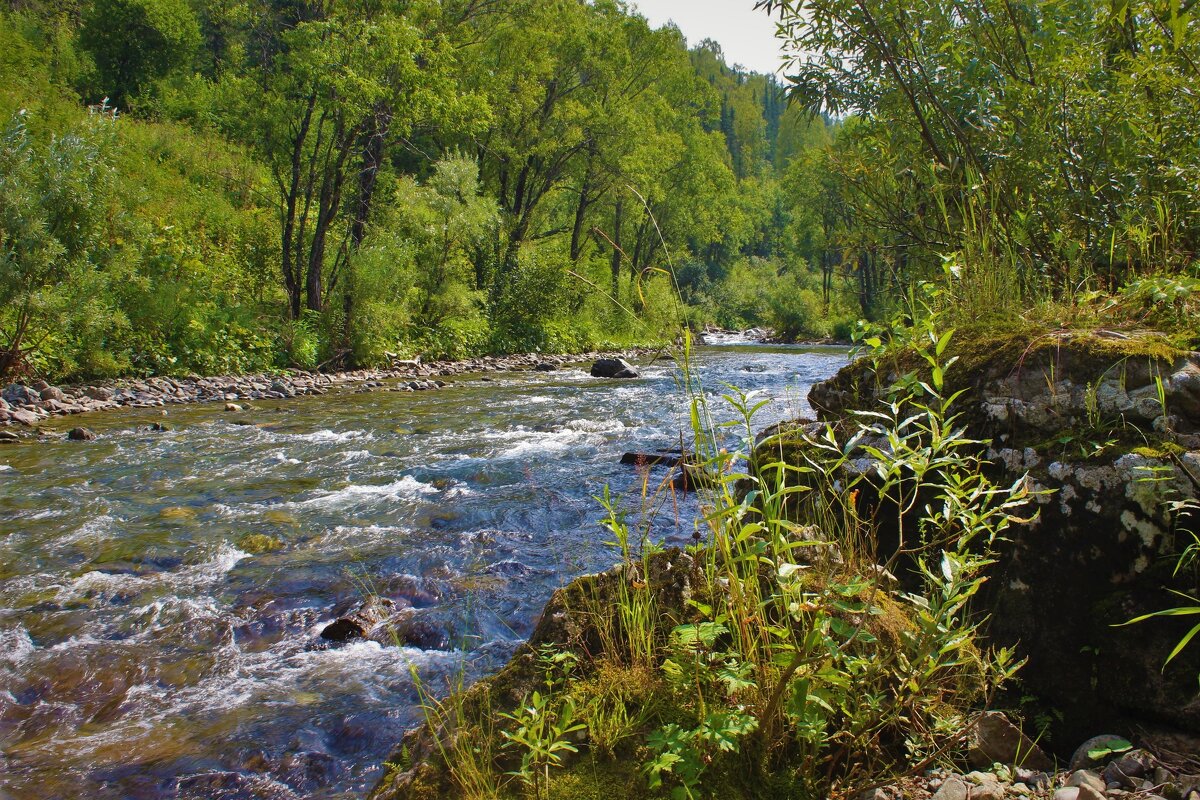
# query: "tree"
[[53, 204], [136, 42]]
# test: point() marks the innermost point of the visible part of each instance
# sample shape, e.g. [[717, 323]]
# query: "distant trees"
[[304, 183]]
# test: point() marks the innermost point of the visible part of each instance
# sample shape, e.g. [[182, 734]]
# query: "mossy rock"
[[259, 543]]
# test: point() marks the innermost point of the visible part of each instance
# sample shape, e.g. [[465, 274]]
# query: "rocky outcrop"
[[1106, 426]]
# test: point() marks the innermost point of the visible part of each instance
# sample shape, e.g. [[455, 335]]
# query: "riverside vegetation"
[[828, 634], [779, 657]]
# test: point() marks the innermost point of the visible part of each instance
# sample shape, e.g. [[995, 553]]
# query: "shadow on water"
[[149, 651]]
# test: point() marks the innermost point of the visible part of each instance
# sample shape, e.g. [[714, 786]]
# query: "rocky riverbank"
[[30, 404]]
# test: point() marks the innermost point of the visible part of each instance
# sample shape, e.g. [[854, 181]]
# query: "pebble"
[[1067, 793], [1087, 777], [30, 405]]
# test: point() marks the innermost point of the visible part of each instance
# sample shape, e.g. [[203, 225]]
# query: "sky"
[[747, 36]]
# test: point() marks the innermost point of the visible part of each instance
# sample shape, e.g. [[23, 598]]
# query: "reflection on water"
[[146, 652]]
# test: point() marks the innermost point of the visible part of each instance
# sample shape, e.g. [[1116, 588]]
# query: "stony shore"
[[32, 404]]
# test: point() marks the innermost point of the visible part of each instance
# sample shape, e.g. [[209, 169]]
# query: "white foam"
[[407, 488], [95, 529], [331, 436], [5, 468], [17, 644], [283, 458], [108, 585]]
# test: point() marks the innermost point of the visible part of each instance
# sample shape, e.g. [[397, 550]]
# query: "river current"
[[145, 654]]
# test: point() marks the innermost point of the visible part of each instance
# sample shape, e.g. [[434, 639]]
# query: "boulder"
[[81, 435], [24, 417], [995, 740], [361, 621], [18, 395], [53, 393], [613, 368], [633, 459]]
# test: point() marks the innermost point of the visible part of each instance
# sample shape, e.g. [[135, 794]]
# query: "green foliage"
[[1045, 147], [797, 660], [136, 42], [54, 200]]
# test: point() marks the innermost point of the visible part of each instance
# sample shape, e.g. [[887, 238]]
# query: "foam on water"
[[407, 488], [109, 585], [328, 436], [17, 644]]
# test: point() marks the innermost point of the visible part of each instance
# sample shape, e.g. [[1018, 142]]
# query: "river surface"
[[145, 654]]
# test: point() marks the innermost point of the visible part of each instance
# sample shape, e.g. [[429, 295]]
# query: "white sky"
[[747, 36]]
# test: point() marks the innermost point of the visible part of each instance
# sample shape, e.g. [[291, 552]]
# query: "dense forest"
[[219, 186], [211, 186]]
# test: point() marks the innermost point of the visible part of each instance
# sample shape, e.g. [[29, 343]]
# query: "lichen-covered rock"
[[1107, 426]]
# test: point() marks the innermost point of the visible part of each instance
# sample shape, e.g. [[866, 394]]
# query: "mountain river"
[[146, 653]]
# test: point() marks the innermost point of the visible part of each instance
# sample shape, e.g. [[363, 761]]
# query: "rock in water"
[[993, 739], [613, 368], [359, 623], [81, 435]]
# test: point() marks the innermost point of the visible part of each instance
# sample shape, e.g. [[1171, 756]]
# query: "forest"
[[208, 186], [220, 187]]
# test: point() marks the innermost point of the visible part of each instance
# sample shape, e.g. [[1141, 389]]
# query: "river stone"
[[1086, 777], [952, 789], [81, 435], [995, 740], [360, 621], [24, 417], [613, 368], [1067, 793], [1136, 763], [53, 393], [1090, 793], [1081, 759]]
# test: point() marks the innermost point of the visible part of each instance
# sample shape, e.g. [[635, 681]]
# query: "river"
[[145, 654]]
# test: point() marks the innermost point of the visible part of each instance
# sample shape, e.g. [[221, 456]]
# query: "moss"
[[259, 543], [592, 777], [1163, 450]]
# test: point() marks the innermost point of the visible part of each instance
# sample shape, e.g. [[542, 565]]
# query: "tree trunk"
[[615, 264]]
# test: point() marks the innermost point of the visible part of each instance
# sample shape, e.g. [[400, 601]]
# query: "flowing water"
[[145, 654]]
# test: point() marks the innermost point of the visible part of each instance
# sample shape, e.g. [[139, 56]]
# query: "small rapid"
[[149, 650]]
